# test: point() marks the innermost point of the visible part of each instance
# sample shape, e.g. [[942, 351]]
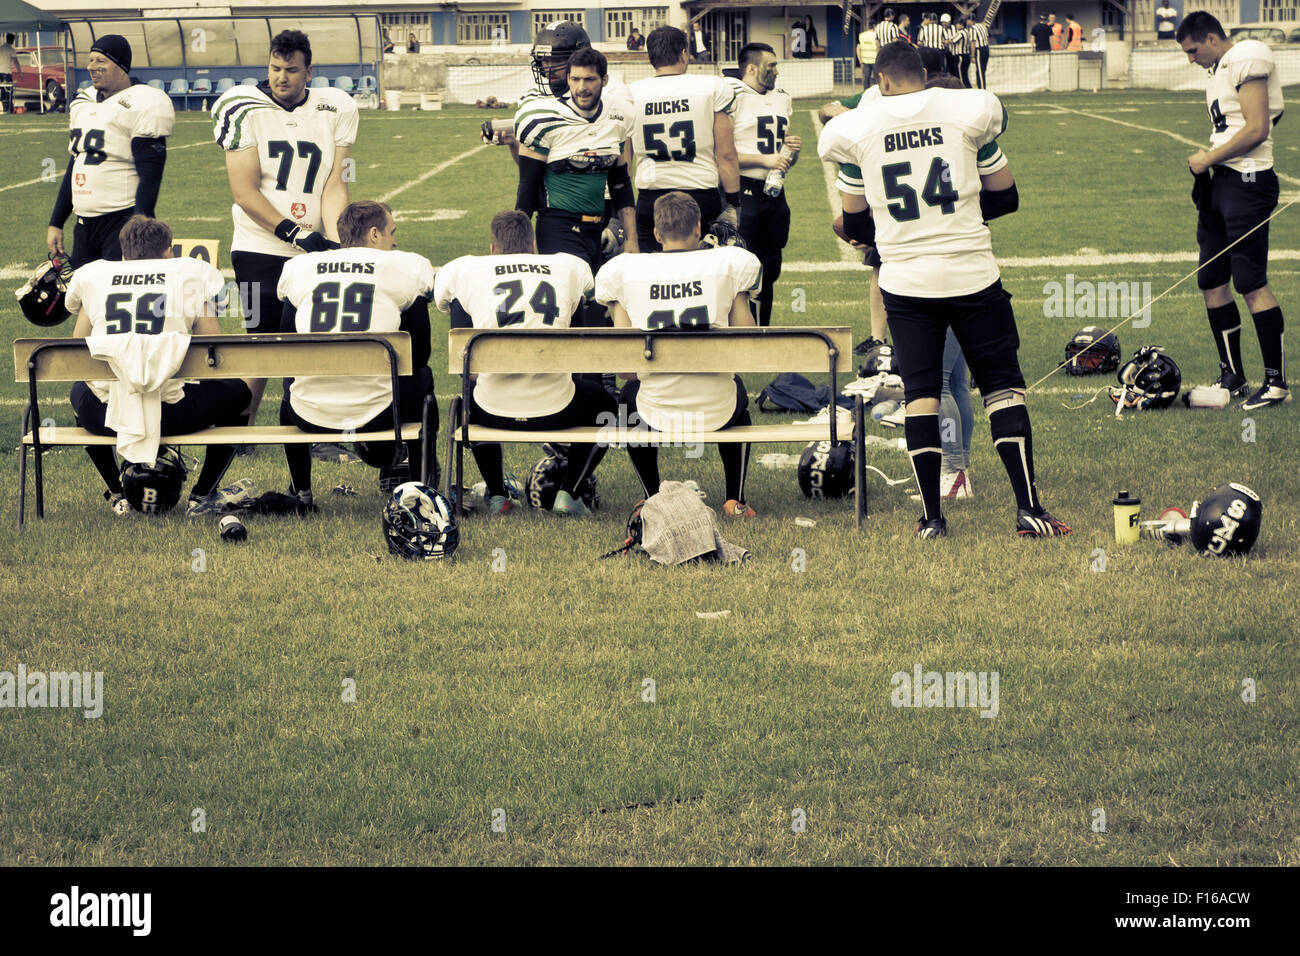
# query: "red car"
[[29, 80]]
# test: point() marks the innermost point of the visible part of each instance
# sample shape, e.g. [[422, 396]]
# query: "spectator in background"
[[1058, 32], [798, 41], [949, 35], [811, 32], [1074, 29], [8, 67], [887, 29], [1041, 34], [1165, 22], [412, 44], [905, 28], [867, 55], [635, 41], [699, 45], [388, 42]]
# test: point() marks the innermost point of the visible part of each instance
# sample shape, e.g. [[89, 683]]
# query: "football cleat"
[[117, 502], [934, 528], [1040, 525], [1272, 392], [1234, 384], [500, 505], [955, 484], [568, 506], [737, 509], [223, 500]]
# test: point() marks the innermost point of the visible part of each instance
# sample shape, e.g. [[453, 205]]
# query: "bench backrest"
[[774, 350], [231, 356]]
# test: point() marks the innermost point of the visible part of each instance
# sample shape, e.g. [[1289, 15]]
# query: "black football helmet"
[[154, 488], [1092, 351], [41, 297], [1226, 522], [1150, 379], [879, 358], [547, 476], [826, 471], [419, 523], [551, 52]]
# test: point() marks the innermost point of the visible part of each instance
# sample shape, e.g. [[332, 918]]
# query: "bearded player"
[[119, 131], [762, 119], [286, 150], [685, 287], [1236, 190], [934, 175], [368, 285], [514, 287], [683, 137]]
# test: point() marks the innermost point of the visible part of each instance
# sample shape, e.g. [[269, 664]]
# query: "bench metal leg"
[[453, 422], [40, 480], [22, 485], [859, 459], [425, 441]]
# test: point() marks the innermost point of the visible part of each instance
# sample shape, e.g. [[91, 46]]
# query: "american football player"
[[118, 147], [1235, 190], [683, 136], [368, 285], [685, 287], [513, 286], [286, 148], [933, 176], [148, 293]]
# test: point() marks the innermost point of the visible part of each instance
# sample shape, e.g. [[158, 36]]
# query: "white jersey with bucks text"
[[1245, 60], [579, 150], [692, 289], [522, 291], [104, 178], [673, 133], [295, 148], [762, 120], [148, 296], [849, 179], [350, 290], [922, 155]]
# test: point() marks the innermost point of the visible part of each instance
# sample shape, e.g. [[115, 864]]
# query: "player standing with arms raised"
[[286, 149], [1236, 190], [684, 138], [762, 119], [119, 133], [934, 175]]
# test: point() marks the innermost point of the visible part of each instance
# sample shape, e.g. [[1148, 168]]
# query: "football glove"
[[730, 216], [720, 233], [612, 239], [294, 234]]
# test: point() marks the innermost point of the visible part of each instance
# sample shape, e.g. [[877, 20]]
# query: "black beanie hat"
[[116, 49]]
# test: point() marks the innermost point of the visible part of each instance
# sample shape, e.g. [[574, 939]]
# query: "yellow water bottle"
[[1126, 517]]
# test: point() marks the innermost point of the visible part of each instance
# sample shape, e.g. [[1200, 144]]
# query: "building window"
[[480, 29], [619, 23], [1275, 11], [400, 25], [544, 18]]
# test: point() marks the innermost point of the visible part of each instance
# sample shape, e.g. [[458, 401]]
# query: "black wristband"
[[733, 199], [286, 230]]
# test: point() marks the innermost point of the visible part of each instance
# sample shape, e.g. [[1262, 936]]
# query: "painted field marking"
[[431, 171]]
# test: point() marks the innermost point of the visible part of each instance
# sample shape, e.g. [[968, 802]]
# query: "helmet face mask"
[[1150, 379], [826, 471], [154, 488], [418, 523], [551, 52], [1227, 521], [42, 297], [1092, 351]]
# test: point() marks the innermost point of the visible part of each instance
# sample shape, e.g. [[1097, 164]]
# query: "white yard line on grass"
[[432, 171], [829, 171], [59, 177]]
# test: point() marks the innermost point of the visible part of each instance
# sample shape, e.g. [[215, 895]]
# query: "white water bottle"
[[775, 180]]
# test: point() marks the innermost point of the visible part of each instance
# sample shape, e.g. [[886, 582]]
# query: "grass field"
[[522, 690]]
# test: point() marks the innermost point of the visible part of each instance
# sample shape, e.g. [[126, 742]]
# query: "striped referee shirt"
[[958, 42], [930, 34], [977, 34], [886, 32]]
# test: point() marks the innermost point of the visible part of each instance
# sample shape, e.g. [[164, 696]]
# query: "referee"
[[887, 30], [977, 36], [930, 34], [959, 44]]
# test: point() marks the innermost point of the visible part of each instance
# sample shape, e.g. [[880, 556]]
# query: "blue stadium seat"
[[344, 83], [179, 87], [158, 85], [320, 83], [367, 84], [225, 83], [202, 86], [249, 81]]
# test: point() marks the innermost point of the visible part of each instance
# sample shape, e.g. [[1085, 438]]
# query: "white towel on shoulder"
[[143, 364]]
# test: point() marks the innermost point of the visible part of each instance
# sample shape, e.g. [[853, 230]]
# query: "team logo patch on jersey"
[[81, 179], [298, 210]]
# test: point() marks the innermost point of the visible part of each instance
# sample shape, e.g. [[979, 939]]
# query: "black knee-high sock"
[[1015, 446], [583, 460], [926, 451], [735, 466], [299, 457], [491, 460], [645, 460], [1225, 322], [1269, 328], [215, 462], [105, 462]]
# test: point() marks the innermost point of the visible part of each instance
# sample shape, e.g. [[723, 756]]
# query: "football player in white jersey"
[[286, 147], [1235, 191], [118, 148], [762, 120], [683, 138], [148, 293], [570, 148], [684, 287], [934, 175], [368, 285], [514, 287]]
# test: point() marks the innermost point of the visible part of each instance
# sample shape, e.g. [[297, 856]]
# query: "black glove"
[[292, 233]]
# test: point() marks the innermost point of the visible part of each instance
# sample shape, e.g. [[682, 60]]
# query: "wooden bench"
[[39, 361], [756, 351]]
